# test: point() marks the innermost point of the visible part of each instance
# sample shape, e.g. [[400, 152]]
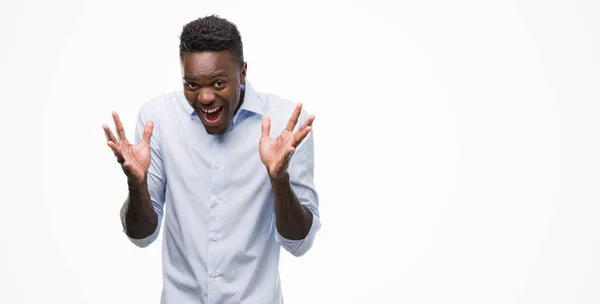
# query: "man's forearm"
[[293, 220], [138, 215]]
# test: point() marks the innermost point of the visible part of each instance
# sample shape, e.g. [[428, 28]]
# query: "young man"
[[230, 169]]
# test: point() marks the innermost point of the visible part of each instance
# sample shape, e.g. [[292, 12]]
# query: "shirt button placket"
[[214, 223]]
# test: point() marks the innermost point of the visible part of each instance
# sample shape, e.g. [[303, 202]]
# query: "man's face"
[[212, 87]]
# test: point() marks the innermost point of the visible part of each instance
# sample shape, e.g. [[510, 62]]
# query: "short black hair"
[[211, 34]]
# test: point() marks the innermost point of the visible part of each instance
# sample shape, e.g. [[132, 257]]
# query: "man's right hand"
[[134, 159]]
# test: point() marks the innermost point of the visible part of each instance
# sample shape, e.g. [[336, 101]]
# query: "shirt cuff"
[[300, 247], [145, 242]]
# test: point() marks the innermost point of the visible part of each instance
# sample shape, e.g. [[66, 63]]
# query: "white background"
[[457, 145]]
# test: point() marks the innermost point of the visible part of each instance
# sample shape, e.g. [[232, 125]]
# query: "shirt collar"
[[252, 103]]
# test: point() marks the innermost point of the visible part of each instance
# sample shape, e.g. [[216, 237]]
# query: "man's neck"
[[240, 103]]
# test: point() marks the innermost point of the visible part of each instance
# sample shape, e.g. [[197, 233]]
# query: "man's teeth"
[[211, 110]]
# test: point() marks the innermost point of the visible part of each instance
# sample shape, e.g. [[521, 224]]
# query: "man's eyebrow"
[[218, 74], [214, 75]]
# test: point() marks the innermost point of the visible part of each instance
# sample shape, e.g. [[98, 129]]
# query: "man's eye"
[[219, 83], [191, 85]]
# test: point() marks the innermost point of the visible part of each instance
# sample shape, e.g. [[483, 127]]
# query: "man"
[[231, 193]]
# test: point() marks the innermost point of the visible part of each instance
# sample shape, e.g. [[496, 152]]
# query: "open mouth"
[[212, 116]]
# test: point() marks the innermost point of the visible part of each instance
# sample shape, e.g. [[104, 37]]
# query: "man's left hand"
[[276, 153]]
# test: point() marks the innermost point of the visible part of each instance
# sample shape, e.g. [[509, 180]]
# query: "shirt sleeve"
[[156, 173], [301, 172]]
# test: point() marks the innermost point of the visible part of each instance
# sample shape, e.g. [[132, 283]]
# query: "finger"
[[119, 125], [115, 149], [113, 146], [266, 129], [289, 152], [148, 131], [127, 168], [300, 135], [307, 123], [294, 119], [302, 132], [109, 134]]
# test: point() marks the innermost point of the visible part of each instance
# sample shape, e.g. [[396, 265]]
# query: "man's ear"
[[181, 64], [243, 72]]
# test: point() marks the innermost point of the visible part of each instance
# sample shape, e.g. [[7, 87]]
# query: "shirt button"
[[214, 238], [214, 274], [217, 165]]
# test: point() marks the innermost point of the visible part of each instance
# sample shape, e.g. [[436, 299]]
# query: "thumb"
[[266, 129], [148, 128]]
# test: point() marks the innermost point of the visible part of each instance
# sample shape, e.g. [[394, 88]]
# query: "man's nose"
[[206, 96]]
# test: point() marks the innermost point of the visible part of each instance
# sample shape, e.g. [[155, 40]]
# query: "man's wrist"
[[279, 178], [137, 184]]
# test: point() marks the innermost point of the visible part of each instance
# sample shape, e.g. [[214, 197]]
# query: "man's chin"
[[215, 130], [215, 125]]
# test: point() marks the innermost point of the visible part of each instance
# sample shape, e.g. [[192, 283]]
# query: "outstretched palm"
[[134, 159], [275, 153]]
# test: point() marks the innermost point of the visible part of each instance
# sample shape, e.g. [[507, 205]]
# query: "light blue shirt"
[[220, 242]]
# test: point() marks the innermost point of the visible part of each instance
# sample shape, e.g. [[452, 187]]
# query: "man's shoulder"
[[279, 108], [274, 102], [162, 104]]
